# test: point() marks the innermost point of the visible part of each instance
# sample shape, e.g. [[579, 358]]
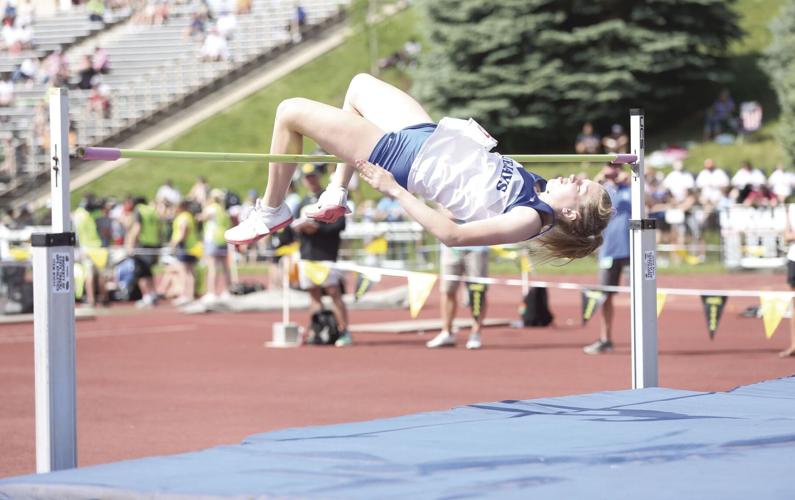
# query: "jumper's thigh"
[[345, 135], [388, 107]]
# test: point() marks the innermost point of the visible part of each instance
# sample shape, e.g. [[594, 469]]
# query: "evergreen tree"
[[532, 71], [780, 65]]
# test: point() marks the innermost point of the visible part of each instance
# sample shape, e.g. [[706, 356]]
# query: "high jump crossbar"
[[53, 278], [112, 154]]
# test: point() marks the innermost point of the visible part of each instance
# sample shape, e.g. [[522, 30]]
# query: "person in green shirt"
[[143, 243], [92, 256], [183, 243], [215, 221]]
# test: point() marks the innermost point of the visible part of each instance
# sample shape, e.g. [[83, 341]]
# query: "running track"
[[161, 382]]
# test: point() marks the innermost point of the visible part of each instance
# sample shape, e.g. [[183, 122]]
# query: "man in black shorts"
[[614, 252], [143, 243]]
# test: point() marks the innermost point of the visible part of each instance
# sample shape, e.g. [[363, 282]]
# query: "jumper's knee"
[[358, 84], [289, 109]]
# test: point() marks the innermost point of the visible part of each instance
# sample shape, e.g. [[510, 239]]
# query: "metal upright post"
[[54, 310], [643, 265]]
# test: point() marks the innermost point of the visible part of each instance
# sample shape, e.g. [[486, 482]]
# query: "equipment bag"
[[535, 310], [323, 328]]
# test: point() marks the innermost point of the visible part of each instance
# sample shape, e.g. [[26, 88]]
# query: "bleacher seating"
[[155, 68]]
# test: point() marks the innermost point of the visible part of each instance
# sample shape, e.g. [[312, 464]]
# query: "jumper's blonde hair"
[[574, 239]]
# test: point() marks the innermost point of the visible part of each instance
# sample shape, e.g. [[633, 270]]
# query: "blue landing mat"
[[648, 444]]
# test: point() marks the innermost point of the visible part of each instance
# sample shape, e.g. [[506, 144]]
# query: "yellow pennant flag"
[[19, 253], [661, 296], [501, 252], [80, 280], [317, 272], [290, 249], [99, 256], [197, 250], [525, 264], [377, 246], [420, 286], [774, 305]]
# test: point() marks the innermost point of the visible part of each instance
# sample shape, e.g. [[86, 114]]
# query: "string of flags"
[[773, 305]]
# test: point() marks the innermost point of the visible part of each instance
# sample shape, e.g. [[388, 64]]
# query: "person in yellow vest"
[[89, 250], [143, 244], [183, 243], [216, 220]]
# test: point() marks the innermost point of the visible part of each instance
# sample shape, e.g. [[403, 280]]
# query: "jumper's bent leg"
[[340, 133], [343, 134], [386, 106]]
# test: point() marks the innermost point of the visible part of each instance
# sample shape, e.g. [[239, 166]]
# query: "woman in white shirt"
[[388, 137]]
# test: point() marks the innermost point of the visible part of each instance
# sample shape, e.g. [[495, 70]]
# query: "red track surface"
[[161, 382]]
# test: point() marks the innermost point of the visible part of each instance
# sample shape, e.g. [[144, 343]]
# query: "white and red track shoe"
[[260, 222], [332, 204]]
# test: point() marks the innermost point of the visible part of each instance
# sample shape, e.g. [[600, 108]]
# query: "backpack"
[[323, 329], [535, 309], [126, 286]]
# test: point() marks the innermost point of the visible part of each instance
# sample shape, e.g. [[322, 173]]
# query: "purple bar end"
[[101, 154], [624, 158]]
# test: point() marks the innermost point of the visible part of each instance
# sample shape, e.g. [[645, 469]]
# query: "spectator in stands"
[[587, 143], [56, 67], [198, 25], [6, 90], [200, 191], [781, 182], [215, 220], [657, 202], [100, 60], [215, 47], [99, 99], [9, 13], [679, 181], [721, 115], [86, 74], [460, 262], [297, 23], [90, 249], [11, 155], [747, 179], [614, 252], [183, 242], [320, 242], [27, 71], [168, 193], [11, 37], [616, 141], [226, 24], [761, 196], [711, 182], [243, 7], [683, 213], [388, 209], [143, 243], [96, 10]]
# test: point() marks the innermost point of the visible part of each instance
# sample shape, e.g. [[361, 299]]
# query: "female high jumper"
[[386, 135]]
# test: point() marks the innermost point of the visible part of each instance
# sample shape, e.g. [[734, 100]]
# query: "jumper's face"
[[569, 192]]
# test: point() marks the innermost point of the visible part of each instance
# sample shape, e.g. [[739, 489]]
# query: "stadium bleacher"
[[155, 68]]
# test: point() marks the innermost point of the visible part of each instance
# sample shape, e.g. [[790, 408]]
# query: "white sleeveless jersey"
[[456, 169]]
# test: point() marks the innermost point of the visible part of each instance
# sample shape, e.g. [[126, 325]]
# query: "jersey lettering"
[[505, 175]]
